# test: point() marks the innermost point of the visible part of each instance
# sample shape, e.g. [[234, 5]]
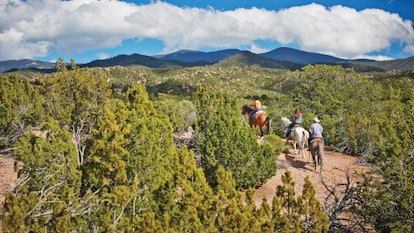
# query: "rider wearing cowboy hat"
[[315, 130]]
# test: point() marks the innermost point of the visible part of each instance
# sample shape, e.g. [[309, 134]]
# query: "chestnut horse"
[[260, 119], [317, 150]]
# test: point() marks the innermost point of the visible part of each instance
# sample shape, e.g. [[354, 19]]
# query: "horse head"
[[246, 109], [285, 122]]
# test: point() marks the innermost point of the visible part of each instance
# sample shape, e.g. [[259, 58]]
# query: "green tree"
[[129, 160], [106, 165], [45, 199], [343, 99], [231, 213], [285, 194], [76, 98], [185, 201], [180, 112], [224, 139], [20, 108], [314, 219], [389, 204]]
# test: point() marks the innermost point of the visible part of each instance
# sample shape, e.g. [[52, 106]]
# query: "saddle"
[[259, 112], [296, 126], [316, 139]]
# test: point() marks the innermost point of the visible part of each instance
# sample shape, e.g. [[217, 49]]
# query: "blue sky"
[[86, 30]]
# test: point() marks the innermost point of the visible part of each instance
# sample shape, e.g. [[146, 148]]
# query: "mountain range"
[[280, 58]]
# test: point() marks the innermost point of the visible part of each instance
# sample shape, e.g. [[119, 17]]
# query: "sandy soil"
[[336, 166], [7, 179]]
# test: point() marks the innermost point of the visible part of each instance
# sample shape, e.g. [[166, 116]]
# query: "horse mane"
[[247, 107], [286, 121]]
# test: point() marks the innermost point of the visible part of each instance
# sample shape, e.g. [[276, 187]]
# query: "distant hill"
[[137, 59], [398, 64], [301, 57], [194, 56], [248, 58], [24, 64], [280, 58]]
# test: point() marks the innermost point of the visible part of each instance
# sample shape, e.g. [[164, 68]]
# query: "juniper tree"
[[20, 108], [75, 98], [389, 204], [310, 209], [225, 140], [46, 199]]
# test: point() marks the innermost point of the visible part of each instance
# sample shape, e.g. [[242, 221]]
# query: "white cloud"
[[38, 27], [373, 57], [257, 49], [103, 56]]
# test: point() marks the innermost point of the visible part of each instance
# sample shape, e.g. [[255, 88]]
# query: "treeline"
[[93, 160]]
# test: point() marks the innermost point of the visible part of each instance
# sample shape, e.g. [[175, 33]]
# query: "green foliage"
[[301, 214], [343, 101], [185, 200], [228, 141], [315, 220], [276, 141], [71, 107], [50, 183], [78, 110], [150, 141], [180, 112], [20, 108], [106, 165], [389, 204], [109, 164]]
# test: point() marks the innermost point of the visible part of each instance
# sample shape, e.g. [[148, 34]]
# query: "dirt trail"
[[8, 179], [335, 167]]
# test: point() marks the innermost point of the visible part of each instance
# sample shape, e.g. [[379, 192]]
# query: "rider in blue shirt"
[[315, 130], [297, 120]]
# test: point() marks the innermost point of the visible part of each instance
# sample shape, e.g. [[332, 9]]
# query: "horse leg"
[[268, 123], [302, 148], [294, 147], [314, 159], [320, 157]]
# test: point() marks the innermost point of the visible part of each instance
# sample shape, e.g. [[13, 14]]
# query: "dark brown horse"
[[317, 150], [259, 119]]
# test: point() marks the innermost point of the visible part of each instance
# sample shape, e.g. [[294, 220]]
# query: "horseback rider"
[[257, 106], [315, 131], [297, 120]]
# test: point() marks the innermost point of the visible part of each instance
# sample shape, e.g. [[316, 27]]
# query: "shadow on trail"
[[297, 162]]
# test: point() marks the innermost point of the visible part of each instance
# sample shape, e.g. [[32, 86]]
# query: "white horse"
[[298, 135]]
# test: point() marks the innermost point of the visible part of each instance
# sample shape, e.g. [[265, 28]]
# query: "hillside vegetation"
[[280, 58], [107, 160]]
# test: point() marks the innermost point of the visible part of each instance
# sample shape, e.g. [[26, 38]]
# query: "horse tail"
[[320, 152], [268, 124]]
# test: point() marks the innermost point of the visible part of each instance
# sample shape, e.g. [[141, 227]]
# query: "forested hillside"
[[98, 152]]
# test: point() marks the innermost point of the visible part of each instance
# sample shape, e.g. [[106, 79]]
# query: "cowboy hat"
[[315, 119]]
